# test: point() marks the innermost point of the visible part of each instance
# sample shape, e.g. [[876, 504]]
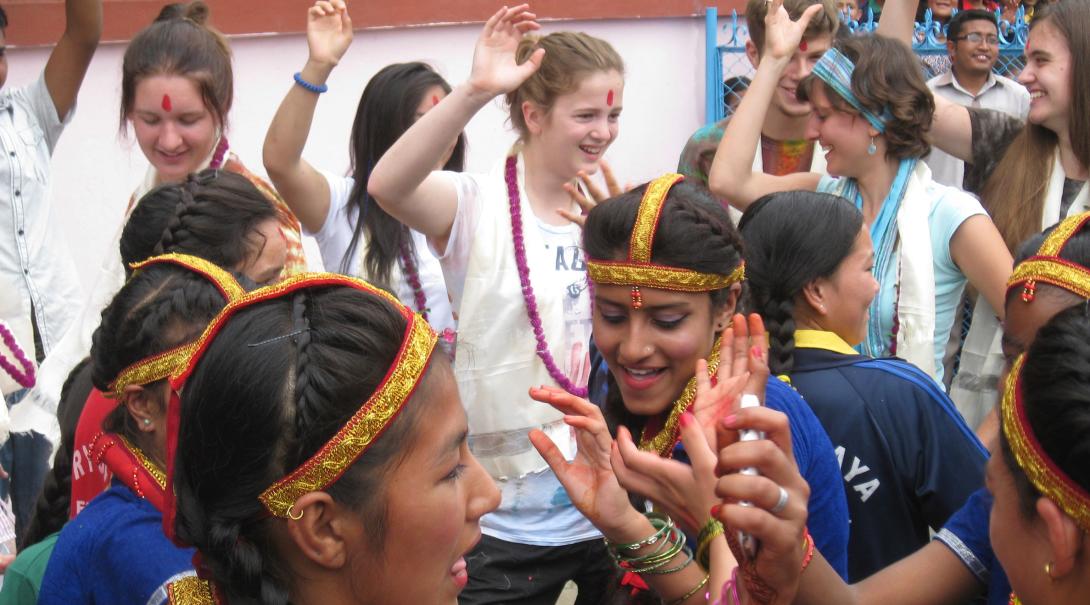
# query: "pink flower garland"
[[511, 176], [217, 155], [25, 378], [412, 275]]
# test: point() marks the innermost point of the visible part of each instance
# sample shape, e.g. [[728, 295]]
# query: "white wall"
[[95, 169]]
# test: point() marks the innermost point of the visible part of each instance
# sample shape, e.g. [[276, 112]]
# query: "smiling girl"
[[517, 278], [177, 87], [871, 115]]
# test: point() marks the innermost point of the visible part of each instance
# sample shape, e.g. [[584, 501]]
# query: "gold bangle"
[[696, 589], [711, 530]]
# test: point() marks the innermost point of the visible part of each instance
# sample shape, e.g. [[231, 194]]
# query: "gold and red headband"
[[1046, 266], [638, 270], [365, 426], [1042, 471], [161, 365]]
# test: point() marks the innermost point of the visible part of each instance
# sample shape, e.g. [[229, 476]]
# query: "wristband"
[[314, 88], [808, 544]]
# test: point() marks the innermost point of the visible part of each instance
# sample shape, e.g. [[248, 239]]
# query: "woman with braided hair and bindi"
[[666, 265], [516, 274], [322, 454], [908, 458], [116, 552], [355, 235]]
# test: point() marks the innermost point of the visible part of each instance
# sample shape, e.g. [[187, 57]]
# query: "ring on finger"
[[781, 503]]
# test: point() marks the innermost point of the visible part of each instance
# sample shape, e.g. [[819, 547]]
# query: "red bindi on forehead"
[[166, 103], [609, 98], [803, 46], [434, 100]]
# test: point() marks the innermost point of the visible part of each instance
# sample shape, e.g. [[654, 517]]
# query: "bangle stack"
[[711, 530], [668, 542]]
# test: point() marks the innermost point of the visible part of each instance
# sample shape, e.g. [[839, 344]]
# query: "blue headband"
[[835, 70]]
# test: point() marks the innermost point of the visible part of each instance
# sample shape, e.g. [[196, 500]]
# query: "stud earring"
[[1048, 571], [872, 148]]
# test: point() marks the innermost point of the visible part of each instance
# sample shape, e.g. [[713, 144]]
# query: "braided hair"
[[1056, 387], [793, 238], [278, 381], [694, 232], [159, 308], [51, 510], [213, 214]]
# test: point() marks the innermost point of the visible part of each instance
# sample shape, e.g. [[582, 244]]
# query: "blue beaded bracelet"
[[315, 88]]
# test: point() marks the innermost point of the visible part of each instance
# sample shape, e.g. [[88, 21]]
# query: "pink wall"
[[95, 169]]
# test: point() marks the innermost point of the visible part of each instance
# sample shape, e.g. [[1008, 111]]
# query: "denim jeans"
[[25, 456]]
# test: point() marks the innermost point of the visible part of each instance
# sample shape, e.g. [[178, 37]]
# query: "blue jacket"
[[907, 458]]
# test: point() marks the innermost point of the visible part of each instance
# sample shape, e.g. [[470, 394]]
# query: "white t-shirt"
[[535, 509], [336, 234]]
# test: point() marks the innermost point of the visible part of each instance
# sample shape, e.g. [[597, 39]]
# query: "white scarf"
[[975, 389]]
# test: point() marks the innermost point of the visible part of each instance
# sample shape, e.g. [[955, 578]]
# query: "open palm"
[[329, 31], [782, 35], [589, 478], [495, 68]]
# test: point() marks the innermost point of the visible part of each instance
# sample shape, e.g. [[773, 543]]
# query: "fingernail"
[[757, 353], [686, 419], [716, 509], [729, 420]]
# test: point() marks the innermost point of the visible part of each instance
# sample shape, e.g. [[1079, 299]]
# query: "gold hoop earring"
[[1048, 571], [294, 517]]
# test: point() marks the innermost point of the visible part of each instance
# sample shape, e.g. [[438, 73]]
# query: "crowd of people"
[[746, 381]]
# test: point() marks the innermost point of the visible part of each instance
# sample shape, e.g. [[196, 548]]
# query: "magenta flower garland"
[[511, 175], [412, 275], [25, 378], [217, 155]]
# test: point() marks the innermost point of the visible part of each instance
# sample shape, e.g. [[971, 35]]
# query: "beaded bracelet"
[[808, 544], [711, 530], [696, 589], [315, 88]]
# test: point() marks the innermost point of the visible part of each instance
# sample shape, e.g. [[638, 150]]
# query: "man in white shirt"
[[973, 45], [39, 287]]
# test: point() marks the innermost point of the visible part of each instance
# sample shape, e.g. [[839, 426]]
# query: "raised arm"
[[68, 62], [898, 20], [732, 176], [402, 182], [329, 32], [950, 130]]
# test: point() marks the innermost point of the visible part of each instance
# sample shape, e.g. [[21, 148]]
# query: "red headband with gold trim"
[[357, 435], [161, 365], [1043, 473], [1047, 266], [638, 270]]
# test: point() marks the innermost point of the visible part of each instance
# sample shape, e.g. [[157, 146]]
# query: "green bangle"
[[688, 561], [662, 525], [696, 589]]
